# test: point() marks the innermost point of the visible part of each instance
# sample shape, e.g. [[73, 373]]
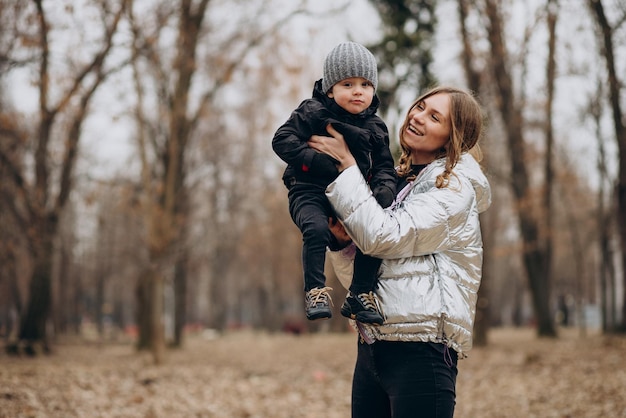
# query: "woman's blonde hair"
[[466, 121]]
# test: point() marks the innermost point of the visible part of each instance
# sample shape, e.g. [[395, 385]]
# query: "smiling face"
[[353, 94], [426, 130]]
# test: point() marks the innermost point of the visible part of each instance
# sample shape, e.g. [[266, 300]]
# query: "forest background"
[[139, 195]]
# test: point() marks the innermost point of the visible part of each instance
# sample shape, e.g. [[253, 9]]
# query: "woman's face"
[[428, 128]]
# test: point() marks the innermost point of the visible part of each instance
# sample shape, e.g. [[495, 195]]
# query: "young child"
[[346, 99]]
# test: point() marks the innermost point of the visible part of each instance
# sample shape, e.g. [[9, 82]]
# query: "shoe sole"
[[320, 315]]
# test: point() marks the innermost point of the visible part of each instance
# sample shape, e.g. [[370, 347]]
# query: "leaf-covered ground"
[[257, 375]]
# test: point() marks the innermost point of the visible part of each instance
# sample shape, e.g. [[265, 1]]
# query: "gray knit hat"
[[346, 60]]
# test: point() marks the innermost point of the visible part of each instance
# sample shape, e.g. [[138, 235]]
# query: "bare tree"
[[163, 196], [531, 216], [39, 204], [510, 111], [605, 35], [605, 217], [187, 93], [12, 243], [488, 219], [546, 221]]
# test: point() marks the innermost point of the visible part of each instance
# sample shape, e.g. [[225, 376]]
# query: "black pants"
[[365, 274], [310, 211], [397, 379]]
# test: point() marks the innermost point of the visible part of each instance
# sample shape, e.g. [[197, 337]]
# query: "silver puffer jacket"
[[431, 247]]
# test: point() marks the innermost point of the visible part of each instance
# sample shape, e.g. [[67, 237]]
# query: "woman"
[[431, 247]]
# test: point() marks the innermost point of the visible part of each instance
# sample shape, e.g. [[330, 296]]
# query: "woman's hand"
[[335, 146]]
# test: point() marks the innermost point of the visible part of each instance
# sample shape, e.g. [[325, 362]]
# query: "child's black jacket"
[[366, 135]]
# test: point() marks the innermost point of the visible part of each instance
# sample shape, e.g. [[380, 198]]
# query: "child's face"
[[353, 94]]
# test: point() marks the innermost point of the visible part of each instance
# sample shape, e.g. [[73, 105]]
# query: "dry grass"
[[258, 375]]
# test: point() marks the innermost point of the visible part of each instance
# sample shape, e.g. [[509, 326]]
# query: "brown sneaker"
[[317, 303]]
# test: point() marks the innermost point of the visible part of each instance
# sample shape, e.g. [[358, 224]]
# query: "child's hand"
[[384, 196], [323, 166]]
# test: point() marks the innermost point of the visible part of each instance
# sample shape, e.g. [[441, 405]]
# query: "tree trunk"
[[604, 221], [33, 326], [483, 312], [535, 252], [157, 343], [142, 294], [546, 221], [605, 37], [10, 270], [99, 300], [219, 288], [41, 209], [62, 312], [150, 313], [180, 300]]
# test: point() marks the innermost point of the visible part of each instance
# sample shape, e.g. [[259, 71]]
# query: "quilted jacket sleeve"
[[429, 220]]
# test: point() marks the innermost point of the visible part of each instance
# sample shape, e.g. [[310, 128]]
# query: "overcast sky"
[[107, 146]]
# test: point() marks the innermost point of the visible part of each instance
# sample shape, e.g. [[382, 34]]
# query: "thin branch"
[[96, 63], [227, 72]]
